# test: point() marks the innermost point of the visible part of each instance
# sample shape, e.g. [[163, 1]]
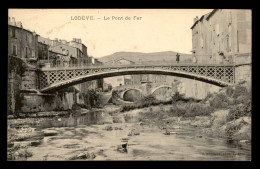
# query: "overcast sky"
[[157, 30]]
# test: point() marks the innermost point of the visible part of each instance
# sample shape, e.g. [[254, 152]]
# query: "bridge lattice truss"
[[51, 77]]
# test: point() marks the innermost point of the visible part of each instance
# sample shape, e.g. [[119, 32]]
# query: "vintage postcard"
[[129, 84]]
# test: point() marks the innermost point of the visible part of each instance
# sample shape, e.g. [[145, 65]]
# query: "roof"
[[206, 16], [195, 23], [125, 59], [119, 60], [57, 52], [211, 13], [43, 43], [72, 47], [22, 29]]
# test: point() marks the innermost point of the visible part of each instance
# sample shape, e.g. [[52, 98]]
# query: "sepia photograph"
[[129, 85]]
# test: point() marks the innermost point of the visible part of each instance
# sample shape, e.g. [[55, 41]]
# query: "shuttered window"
[[14, 50], [217, 29]]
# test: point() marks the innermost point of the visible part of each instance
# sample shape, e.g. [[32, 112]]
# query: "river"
[[103, 141]]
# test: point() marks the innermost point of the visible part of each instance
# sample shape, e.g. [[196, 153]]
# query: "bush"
[[148, 100], [177, 96], [229, 91], [219, 101], [76, 107], [91, 98], [115, 94], [239, 111], [232, 128], [239, 91]]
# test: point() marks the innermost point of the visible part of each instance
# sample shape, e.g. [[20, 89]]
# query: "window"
[[26, 52], [228, 43], [33, 54], [229, 29], [13, 33], [230, 17], [201, 42], [217, 29], [14, 50]]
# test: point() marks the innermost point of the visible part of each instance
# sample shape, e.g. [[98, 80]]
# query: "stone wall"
[[189, 87], [243, 70], [32, 102], [14, 85], [244, 73], [29, 80], [195, 89]]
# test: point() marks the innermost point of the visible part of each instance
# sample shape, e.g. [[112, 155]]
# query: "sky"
[[115, 30]]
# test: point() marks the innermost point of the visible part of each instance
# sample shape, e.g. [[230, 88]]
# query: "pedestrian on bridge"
[[177, 57], [194, 60]]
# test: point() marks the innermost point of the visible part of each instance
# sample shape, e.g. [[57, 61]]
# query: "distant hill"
[[156, 57]]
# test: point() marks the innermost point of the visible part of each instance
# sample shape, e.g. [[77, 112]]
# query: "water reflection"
[[66, 137]]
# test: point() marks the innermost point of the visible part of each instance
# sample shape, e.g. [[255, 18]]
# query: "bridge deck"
[[59, 77], [74, 67]]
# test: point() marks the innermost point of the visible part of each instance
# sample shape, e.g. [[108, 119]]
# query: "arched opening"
[[163, 93], [103, 74], [132, 95]]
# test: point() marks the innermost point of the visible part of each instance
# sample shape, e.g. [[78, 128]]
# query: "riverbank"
[[225, 115], [123, 136]]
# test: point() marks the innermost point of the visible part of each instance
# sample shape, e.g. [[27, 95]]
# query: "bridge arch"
[[129, 71], [122, 94], [162, 86]]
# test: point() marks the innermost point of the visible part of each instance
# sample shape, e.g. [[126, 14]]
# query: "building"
[[75, 49], [121, 61], [22, 43], [132, 79], [43, 51], [221, 34], [119, 80]]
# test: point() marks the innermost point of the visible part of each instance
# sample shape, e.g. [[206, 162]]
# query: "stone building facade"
[[32, 51], [22, 43], [221, 34], [43, 51], [225, 36], [75, 49]]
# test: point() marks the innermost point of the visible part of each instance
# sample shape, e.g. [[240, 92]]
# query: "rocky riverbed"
[[140, 134]]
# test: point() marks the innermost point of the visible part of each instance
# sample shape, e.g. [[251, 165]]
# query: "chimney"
[[13, 20], [19, 24], [195, 19]]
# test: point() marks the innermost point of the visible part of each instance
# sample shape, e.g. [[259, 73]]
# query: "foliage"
[[239, 111], [76, 107], [219, 101], [16, 64], [18, 104], [68, 90], [91, 98], [232, 127], [229, 91], [177, 97], [239, 91], [127, 108], [147, 100], [115, 94]]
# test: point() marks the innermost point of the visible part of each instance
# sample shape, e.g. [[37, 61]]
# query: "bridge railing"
[[135, 64]]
